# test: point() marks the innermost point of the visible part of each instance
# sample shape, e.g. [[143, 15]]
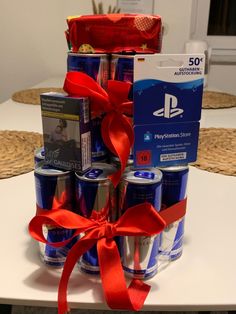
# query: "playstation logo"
[[147, 137], [170, 109]]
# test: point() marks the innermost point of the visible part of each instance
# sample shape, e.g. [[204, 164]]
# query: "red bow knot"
[[117, 129], [107, 230], [139, 220]]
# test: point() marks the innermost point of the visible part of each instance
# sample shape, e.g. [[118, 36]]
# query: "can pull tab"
[[144, 175], [94, 173]]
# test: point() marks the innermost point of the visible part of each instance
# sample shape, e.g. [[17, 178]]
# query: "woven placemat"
[[32, 96], [217, 100], [17, 152], [217, 151]]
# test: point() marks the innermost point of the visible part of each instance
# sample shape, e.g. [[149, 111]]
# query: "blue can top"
[[46, 170], [98, 172], [143, 176], [39, 153], [90, 55], [179, 168]]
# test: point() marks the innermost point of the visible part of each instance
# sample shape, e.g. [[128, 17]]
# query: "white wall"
[[223, 77], [33, 45], [176, 17]]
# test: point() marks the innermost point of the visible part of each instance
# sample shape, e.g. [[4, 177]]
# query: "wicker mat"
[[216, 100], [17, 152], [32, 96], [217, 151]]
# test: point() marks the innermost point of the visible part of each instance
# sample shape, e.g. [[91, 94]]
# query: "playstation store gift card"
[[167, 108]]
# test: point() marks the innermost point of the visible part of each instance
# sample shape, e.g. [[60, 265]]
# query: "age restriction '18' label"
[[144, 157]]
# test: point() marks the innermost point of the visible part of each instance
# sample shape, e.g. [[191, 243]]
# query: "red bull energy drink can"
[[139, 255], [94, 65], [116, 161], [39, 156], [54, 190], [122, 68], [99, 150], [95, 199], [97, 67], [174, 187]]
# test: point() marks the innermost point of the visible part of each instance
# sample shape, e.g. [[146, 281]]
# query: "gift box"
[[114, 33], [140, 217], [140, 221]]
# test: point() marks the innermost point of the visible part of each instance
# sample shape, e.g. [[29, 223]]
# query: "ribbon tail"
[[117, 295], [117, 134], [174, 212], [74, 254], [138, 291]]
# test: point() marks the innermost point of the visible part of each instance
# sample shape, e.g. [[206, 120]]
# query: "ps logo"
[[170, 109]]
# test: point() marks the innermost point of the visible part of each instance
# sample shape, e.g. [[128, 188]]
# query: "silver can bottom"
[[88, 269], [52, 262], [174, 255], [143, 276]]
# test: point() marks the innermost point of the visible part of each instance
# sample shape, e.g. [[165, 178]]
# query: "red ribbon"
[[174, 212], [139, 220], [117, 130]]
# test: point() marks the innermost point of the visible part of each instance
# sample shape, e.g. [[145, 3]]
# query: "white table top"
[[204, 278]]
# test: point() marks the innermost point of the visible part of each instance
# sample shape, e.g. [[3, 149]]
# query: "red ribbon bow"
[[139, 220], [117, 130]]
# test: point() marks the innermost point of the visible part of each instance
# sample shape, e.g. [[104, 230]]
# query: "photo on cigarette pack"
[[66, 131], [61, 140]]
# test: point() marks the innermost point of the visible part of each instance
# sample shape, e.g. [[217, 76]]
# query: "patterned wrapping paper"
[[114, 33]]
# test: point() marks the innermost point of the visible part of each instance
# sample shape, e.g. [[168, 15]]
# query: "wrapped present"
[[114, 33], [137, 220]]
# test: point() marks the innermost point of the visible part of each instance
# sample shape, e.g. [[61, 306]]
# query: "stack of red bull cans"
[[92, 195], [102, 67]]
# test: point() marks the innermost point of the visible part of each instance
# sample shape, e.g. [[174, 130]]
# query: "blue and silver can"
[[97, 67], [122, 68], [139, 255], [116, 161], [174, 189], [99, 150], [54, 190], [95, 199], [39, 156]]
